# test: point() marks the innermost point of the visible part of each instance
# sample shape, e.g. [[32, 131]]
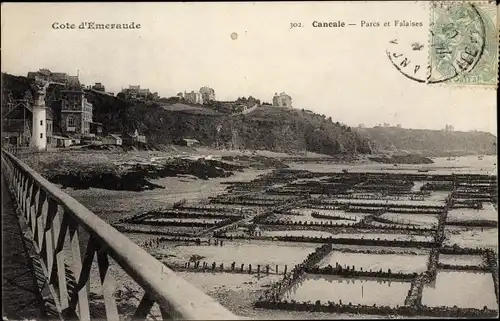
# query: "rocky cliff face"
[[268, 128], [430, 142]]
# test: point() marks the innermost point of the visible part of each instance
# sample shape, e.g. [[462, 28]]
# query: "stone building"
[[46, 74], [112, 139], [207, 93], [76, 113], [99, 87], [282, 100], [133, 138], [18, 125], [136, 92], [193, 97]]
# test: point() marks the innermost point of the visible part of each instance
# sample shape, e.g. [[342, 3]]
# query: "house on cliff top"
[[282, 100]]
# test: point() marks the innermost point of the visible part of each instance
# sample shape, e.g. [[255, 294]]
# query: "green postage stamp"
[[463, 45]]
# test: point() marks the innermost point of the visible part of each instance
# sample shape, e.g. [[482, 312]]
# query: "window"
[[70, 121], [41, 122], [41, 135]]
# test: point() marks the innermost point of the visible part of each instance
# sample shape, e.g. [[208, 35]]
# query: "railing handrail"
[[180, 298]]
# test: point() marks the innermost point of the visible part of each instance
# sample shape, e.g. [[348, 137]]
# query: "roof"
[[73, 81], [59, 76], [20, 112], [116, 136], [190, 140], [44, 71], [73, 91]]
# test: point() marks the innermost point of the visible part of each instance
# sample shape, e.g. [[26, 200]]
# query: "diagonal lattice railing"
[[57, 222]]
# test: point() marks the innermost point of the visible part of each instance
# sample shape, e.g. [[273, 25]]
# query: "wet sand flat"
[[463, 289], [272, 253], [375, 262], [332, 288]]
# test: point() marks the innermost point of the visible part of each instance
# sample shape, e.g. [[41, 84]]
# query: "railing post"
[[144, 307], [37, 209], [164, 314], [20, 199], [107, 285], [48, 245], [14, 175], [80, 271], [19, 187], [31, 213], [29, 198], [26, 200], [59, 233]]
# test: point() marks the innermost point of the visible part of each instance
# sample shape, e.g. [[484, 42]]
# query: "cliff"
[[430, 142], [267, 128]]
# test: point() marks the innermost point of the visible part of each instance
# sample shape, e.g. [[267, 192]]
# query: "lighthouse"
[[39, 139]]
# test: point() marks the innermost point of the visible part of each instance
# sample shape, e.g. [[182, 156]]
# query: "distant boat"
[[423, 170], [480, 157]]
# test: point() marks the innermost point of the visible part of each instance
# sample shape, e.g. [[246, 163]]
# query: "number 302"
[[295, 25]]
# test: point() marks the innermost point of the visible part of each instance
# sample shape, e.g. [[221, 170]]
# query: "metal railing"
[[54, 216], [17, 150]]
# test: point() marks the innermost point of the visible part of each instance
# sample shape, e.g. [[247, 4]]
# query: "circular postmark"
[[456, 44], [409, 57]]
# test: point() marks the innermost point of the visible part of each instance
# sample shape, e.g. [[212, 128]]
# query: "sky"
[[343, 73]]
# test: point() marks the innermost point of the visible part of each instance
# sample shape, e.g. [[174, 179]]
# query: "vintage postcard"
[[249, 160]]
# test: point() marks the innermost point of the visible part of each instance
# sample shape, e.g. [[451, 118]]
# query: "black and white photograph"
[[287, 160]]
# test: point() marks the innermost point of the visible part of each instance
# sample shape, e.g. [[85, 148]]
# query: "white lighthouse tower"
[[39, 139]]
